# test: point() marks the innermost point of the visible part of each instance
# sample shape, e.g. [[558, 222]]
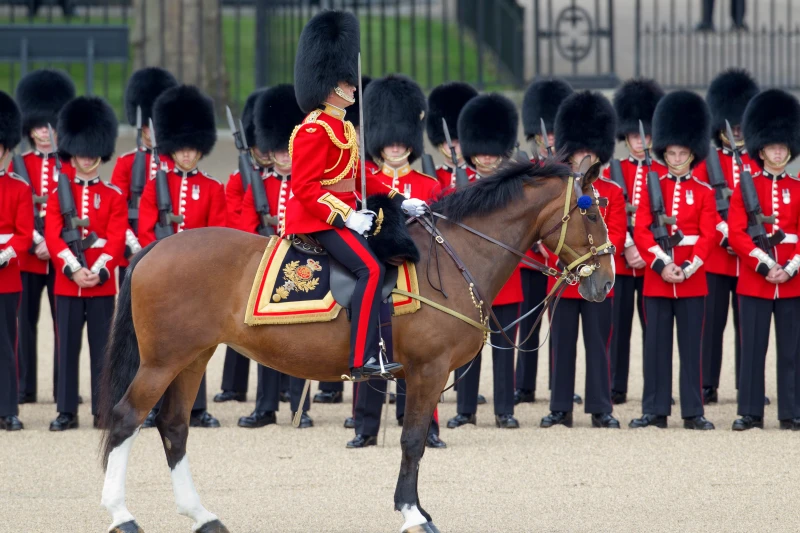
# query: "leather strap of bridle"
[[443, 309], [567, 213]]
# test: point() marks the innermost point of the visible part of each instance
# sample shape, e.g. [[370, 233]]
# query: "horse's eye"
[[593, 218]]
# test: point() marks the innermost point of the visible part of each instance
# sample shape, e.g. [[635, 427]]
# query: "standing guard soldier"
[[141, 92], [275, 115], [446, 102], [541, 102], [86, 281], [16, 237], [769, 282], [635, 101], [675, 282], [727, 99], [487, 128], [585, 127], [186, 129], [236, 370], [40, 94]]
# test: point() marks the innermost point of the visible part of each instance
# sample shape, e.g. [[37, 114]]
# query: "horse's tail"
[[121, 358]]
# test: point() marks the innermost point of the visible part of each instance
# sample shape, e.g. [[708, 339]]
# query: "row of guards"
[[687, 223]]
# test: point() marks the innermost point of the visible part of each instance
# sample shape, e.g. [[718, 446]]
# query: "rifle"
[[755, 218], [461, 174], [163, 198], [38, 221], [660, 219], [246, 166], [427, 165], [617, 177], [717, 180], [266, 221], [71, 234], [138, 175]]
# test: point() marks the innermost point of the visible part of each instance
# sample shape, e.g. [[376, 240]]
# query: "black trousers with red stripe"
[[235, 371], [9, 304], [661, 314], [596, 321], [720, 291], [756, 315], [534, 287], [269, 388], [71, 314], [30, 307], [502, 370], [352, 251], [627, 294]]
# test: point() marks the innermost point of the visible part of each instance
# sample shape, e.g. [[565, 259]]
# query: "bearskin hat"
[[682, 118], [87, 127], [771, 117], [184, 118], [327, 53], [727, 98], [446, 102], [394, 112], [488, 126], [41, 94], [351, 113], [586, 120], [541, 101], [248, 116], [636, 100], [144, 86], [276, 116], [10, 123]]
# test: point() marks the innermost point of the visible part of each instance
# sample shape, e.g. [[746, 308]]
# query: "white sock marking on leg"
[[412, 517], [186, 497], [113, 497]]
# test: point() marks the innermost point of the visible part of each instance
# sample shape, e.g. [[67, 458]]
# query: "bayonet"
[[544, 137], [246, 165], [461, 174]]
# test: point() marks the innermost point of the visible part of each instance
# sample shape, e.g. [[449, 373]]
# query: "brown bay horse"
[[187, 294]]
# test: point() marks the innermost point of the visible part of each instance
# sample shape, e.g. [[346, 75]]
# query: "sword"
[[361, 138], [298, 415], [544, 138]]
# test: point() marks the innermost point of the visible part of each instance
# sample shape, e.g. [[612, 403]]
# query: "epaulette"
[[610, 182], [212, 178], [18, 178], [702, 183], [128, 153], [795, 178], [23, 154], [427, 176], [111, 186], [234, 173]]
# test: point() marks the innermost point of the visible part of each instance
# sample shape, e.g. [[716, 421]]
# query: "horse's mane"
[[489, 194]]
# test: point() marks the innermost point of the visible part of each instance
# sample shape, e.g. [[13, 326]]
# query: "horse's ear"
[[590, 174]]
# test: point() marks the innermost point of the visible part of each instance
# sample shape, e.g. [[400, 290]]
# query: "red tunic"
[[719, 260], [614, 217], [16, 227], [278, 189], [779, 196], [42, 173], [692, 202], [324, 195], [104, 206], [634, 172], [195, 195], [447, 176], [409, 182]]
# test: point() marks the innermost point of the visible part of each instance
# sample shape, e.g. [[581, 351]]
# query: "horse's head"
[[576, 232]]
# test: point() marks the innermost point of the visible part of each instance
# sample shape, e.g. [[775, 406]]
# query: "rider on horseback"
[[324, 151]]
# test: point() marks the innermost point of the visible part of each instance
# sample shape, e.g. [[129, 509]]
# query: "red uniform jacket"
[[195, 195], [447, 176], [104, 206], [409, 182], [121, 177], [778, 196], [42, 172], [634, 172], [16, 227], [692, 203], [614, 217], [279, 190], [325, 170], [234, 195]]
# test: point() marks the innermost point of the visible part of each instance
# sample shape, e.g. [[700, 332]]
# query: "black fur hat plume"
[[682, 119], [276, 116], [87, 127], [586, 120], [144, 86], [184, 118], [394, 112]]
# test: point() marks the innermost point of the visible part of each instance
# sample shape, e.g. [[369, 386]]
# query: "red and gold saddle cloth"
[[293, 287]]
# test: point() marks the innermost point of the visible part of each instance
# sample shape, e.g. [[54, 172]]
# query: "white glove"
[[359, 222], [414, 207]]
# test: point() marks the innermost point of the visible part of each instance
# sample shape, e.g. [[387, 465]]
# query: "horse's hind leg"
[[127, 417], [173, 425], [423, 389]]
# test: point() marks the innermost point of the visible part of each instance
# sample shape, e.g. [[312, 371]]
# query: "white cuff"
[[693, 266], [71, 262], [100, 264], [629, 240], [793, 265], [37, 237], [6, 255], [660, 255], [132, 242], [763, 258], [722, 227]]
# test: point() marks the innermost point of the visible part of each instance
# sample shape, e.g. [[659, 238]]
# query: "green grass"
[[239, 35]]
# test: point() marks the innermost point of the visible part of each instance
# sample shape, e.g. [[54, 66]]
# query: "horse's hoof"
[[427, 527], [215, 526], [128, 527]]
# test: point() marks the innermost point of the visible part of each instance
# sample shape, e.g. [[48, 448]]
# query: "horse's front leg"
[[424, 387]]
